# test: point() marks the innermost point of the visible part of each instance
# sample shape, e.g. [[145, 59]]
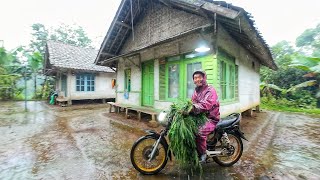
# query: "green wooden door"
[[148, 83]]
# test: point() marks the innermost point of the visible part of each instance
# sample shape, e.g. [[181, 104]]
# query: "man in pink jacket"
[[205, 99]]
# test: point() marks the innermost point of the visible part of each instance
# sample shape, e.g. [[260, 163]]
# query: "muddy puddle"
[[45, 143]]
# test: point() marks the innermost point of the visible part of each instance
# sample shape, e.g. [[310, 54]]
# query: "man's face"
[[197, 79]]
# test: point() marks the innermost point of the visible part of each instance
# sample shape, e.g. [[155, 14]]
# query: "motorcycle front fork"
[[154, 149]]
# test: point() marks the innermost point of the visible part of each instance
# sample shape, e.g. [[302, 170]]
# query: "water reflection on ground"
[[46, 143]]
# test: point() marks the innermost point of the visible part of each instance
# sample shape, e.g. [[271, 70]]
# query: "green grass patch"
[[311, 111]]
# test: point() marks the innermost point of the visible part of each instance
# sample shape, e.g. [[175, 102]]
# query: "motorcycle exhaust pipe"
[[213, 153]]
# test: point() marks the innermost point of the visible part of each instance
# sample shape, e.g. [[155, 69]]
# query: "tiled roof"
[[62, 55]]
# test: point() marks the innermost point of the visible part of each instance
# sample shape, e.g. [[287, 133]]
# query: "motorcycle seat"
[[227, 121]]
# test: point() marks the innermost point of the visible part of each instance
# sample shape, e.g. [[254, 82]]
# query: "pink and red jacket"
[[205, 99]]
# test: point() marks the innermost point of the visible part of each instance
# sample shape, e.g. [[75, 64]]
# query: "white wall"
[[248, 77], [103, 87], [134, 94]]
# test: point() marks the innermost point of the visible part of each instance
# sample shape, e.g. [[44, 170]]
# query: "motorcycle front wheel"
[[140, 155], [230, 154]]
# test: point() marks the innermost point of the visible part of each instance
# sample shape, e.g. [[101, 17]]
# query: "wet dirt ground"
[[76, 143]]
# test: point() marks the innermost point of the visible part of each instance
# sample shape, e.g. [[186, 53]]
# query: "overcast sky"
[[276, 19]]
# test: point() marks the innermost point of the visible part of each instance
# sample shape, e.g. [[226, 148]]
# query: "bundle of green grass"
[[182, 135]]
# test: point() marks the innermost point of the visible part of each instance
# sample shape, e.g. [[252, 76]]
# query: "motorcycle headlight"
[[162, 118]]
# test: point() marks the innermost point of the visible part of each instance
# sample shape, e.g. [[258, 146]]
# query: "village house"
[[156, 45], [76, 75]]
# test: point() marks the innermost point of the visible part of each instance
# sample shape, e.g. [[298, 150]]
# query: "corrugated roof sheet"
[[62, 55]]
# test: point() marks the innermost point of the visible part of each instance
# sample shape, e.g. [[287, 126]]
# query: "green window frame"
[[181, 85], [85, 82], [127, 80], [173, 92], [193, 65], [228, 77]]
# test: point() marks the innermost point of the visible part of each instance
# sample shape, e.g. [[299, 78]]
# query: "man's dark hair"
[[198, 72]]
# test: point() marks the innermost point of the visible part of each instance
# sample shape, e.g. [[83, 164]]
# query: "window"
[[191, 68], [173, 81], [173, 58], [223, 80], [175, 76], [228, 77], [85, 82], [127, 80]]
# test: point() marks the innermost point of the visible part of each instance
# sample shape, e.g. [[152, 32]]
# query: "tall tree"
[[8, 77], [309, 41], [35, 64], [286, 76], [71, 35], [39, 39]]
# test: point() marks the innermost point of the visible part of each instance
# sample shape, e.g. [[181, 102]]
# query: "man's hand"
[[187, 112]]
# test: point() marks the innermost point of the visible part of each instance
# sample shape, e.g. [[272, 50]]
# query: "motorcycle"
[[150, 153]]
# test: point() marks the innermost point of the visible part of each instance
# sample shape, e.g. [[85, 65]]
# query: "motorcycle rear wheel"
[[236, 146], [139, 156]]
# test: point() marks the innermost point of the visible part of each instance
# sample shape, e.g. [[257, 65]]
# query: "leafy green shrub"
[[298, 99], [302, 99]]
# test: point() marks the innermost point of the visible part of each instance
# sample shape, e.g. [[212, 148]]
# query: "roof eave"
[[109, 60], [109, 31]]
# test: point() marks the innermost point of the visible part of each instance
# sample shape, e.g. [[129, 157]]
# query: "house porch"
[[138, 109]]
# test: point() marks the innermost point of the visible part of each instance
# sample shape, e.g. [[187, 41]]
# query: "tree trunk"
[[318, 93], [35, 86], [44, 84]]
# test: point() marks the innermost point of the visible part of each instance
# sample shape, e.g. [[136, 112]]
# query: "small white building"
[[76, 75]]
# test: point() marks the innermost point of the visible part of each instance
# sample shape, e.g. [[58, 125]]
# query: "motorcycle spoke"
[[233, 144], [142, 154]]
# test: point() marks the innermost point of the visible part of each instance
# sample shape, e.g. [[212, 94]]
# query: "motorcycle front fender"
[[153, 133]]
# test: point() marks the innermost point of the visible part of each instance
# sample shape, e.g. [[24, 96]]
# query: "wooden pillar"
[[153, 123], [248, 113], [110, 107], [258, 108], [68, 93], [127, 110], [139, 115]]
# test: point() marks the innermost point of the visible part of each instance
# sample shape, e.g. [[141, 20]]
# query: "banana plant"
[[267, 87], [311, 65]]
